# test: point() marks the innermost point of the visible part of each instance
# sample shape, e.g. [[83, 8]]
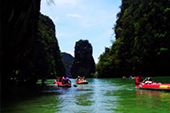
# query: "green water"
[[99, 96]]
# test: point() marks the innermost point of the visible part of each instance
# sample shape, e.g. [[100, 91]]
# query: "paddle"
[[75, 85], [145, 80]]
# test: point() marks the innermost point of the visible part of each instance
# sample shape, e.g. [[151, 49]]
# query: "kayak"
[[60, 84], [154, 86], [81, 82], [54, 82]]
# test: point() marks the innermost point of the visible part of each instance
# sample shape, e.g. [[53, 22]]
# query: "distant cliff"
[[68, 60], [83, 64]]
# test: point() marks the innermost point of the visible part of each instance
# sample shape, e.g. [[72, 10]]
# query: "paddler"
[[149, 81], [67, 80], [78, 78], [139, 79]]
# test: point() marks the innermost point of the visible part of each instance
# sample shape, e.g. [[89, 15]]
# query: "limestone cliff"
[[18, 31], [48, 59], [83, 64], [68, 60], [29, 48]]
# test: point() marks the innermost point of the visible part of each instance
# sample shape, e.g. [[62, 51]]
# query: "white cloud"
[[83, 19], [73, 15], [67, 4], [55, 19], [63, 34]]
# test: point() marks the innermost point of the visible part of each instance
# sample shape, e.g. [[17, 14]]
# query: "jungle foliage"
[[51, 57], [142, 41]]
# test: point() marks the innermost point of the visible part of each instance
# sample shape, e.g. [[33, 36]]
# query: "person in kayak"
[[139, 79], [83, 79], [78, 78], [58, 79], [63, 80], [149, 81], [67, 80]]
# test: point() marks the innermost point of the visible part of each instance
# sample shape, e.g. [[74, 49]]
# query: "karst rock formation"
[[83, 64]]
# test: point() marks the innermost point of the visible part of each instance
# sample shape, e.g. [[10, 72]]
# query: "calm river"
[[99, 96]]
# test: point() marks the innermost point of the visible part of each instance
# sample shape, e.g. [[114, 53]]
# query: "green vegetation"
[[83, 64], [142, 41], [51, 55], [45, 60]]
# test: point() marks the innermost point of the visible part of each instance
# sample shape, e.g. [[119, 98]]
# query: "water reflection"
[[153, 99], [99, 96], [95, 97]]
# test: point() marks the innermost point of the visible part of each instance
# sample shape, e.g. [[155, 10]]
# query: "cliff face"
[[18, 28], [142, 41], [68, 60], [48, 58], [83, 64], [29, 49]]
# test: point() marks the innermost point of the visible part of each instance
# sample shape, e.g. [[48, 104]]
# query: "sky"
[[90, 20]]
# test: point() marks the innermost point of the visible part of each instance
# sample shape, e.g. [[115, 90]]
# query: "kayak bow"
[[60, 84], [82, 82], [154, 86]]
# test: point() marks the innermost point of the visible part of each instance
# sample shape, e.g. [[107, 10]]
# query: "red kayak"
[[60, 84], [54, 81], [154, 86], [82, 82]]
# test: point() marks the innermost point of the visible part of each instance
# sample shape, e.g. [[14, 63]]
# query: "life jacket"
[[138, 79]]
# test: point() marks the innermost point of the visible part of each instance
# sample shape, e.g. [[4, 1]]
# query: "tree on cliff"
[[83, 64], [50, 60], [142, 40]]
